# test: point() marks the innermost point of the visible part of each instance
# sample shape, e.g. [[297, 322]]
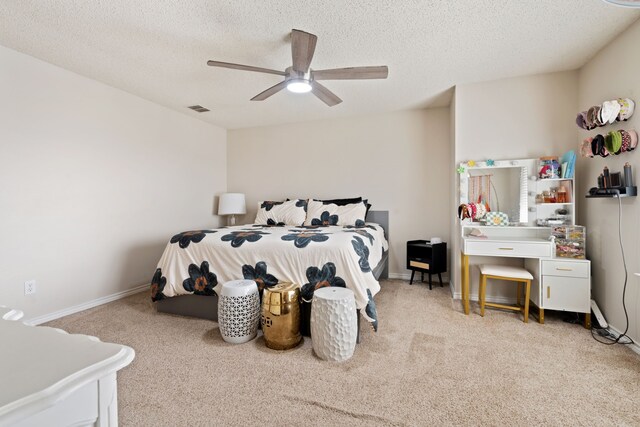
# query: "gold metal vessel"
[[281, 316]]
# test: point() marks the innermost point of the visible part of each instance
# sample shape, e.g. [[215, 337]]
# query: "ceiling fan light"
[[299, 86]]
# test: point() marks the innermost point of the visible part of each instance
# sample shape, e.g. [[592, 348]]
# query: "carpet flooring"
[[429, 364]]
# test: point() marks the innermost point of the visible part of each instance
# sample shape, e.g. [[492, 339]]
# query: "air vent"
[[199, 108]]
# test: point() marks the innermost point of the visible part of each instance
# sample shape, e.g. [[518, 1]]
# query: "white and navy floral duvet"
[[310, 256]]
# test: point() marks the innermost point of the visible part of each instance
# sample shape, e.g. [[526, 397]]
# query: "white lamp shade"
[[232, 204]]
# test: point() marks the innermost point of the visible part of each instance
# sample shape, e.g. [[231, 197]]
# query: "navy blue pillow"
[[342, 202], [368, 207]]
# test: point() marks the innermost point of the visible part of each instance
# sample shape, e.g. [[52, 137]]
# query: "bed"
[[195, 263]]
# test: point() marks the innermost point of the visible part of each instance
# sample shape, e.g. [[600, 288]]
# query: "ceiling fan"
[[300, 78]]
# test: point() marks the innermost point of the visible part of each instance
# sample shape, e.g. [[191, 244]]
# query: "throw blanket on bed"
[[310, 256]]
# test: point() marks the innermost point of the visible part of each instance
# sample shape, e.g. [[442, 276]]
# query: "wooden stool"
[[513, 274]]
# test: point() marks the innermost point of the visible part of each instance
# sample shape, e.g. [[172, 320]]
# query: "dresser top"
[[40, 364]]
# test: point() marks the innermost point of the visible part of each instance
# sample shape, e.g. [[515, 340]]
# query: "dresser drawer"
[[518, 249], [570, 268]]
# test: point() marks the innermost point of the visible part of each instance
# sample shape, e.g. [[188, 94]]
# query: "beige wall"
[[613, 72], [400, 161], [453, 200], [94, 182], [516, 118]]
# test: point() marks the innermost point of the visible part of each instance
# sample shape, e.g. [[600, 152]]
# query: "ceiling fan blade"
[[303, 45], [325, 94], [351, 73], [244, 67], [271, 91]]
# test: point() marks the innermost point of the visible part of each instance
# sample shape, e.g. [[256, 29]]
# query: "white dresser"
[[51, 378]]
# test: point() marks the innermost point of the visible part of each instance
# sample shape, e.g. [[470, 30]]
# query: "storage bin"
[[571, 241]]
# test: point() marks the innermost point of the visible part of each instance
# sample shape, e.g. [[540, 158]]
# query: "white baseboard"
[[407, 276], [503, 300], [401, 276], [123, 294], [474, 297], [85, 305], [635, 347]]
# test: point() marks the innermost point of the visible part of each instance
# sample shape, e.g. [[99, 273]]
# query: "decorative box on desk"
[[425, 257]]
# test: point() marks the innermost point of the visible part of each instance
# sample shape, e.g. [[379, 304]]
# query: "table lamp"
[[232, 204]]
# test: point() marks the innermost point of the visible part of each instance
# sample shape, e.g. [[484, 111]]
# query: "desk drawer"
[[508, 249], [565, 268]]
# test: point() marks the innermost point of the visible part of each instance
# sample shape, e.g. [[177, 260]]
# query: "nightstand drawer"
[[569, 268], [419, 264]]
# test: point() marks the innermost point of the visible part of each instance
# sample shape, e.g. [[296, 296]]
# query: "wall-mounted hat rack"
[[613, 143], [616, 110]]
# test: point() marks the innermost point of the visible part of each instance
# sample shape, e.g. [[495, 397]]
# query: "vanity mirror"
[[503, 186]]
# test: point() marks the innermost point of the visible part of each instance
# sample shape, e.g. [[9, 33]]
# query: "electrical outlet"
[[30, 287]]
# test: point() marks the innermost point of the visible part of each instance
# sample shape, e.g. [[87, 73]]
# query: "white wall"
[[613, 72], [516, 118], [400, 161], [94, 183]]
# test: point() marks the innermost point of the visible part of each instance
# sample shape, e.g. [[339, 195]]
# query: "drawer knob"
[[564, 269], [506, 249]]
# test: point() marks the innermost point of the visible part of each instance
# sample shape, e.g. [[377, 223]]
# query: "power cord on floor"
[[605, 333]]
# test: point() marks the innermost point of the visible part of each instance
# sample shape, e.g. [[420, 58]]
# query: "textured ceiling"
[[158, 49]]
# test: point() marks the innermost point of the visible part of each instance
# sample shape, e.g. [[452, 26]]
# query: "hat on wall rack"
[[634, 139], [609, 111], [627, 107]]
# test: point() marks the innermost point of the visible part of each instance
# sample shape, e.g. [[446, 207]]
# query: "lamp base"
[[232, 220]]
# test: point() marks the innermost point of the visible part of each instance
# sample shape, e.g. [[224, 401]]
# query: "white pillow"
[[291, 212], [319, 213]]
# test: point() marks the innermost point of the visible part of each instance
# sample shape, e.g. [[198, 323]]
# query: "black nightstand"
[[428, 258]]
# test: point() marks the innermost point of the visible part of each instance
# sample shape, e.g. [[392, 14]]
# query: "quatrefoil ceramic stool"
[[239, 311], [334, 323]]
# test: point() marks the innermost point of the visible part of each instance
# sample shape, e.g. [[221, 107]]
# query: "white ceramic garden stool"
[[334, 323], [239, 311]]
